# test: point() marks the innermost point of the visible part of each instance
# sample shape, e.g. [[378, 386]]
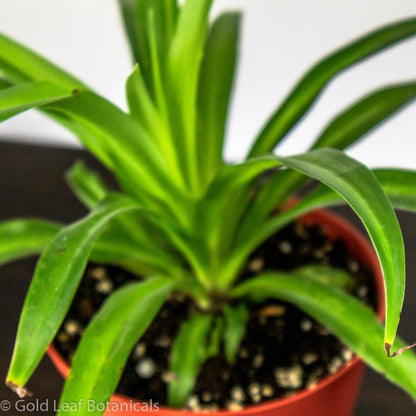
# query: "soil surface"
[[284, 350]]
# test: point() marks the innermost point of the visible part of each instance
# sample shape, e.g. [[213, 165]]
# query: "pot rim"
[[335, 227]]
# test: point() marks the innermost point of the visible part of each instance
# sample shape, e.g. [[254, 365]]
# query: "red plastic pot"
[[335, 395]]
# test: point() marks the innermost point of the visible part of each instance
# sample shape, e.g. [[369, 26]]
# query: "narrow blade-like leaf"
[[215, 86], [350, 126], [135, 15], [236, 319], [128, 142], [219, 212], [92, 137], [131, 23], [347, 317], [182, 75], [366, 114], [144, 110], [188, 354], [86, 184], [19, 98], [111, 335], [25, 237], [359, 187], [23, 64], [60, 266], [128, 229], [140, 102], [311, 85], [5, 84], [132, 152], [399, 185], [272, 192]]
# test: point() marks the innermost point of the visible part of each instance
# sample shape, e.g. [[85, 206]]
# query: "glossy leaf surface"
[[340, 313], [108, 341]]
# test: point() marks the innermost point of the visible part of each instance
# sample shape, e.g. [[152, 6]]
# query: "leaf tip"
[[21, 391], [398, 352]]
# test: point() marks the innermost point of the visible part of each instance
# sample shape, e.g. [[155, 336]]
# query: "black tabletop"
[[32, 184]]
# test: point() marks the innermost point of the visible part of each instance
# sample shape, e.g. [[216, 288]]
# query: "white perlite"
[[335, 364], [309, 358], [104, 286], [256, 265], [289, 377], [258, 361], [306, 325], [285, 247], [347, 354], [139, 350], [267, 390], [146, 368], [72, 327], [98, 273], [234, 406], [237, 394]]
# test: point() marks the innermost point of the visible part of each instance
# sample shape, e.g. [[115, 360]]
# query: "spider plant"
[[184, 219]]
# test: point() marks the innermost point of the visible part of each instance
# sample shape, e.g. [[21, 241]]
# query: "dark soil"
[[284, 350]]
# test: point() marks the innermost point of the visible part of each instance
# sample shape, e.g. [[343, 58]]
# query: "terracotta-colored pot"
[[335, 395]]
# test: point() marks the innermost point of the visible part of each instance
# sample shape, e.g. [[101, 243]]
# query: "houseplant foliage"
[[184, 220]]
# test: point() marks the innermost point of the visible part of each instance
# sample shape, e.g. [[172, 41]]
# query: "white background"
[[281, 40]]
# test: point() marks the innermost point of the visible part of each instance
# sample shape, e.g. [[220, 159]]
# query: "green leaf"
[[144, 111], [132, 26], [136, 161], [236, 319], [215, 86], [5, 84], [167, 248], [135, 15], [399, 185], [86, 184], [19, 98], [365, 115], [271, 193], [92, 138], [359, 187], [334, 277], [61, 267], [130, 230], [348, 318], [140, 102], [166, 14], [188, 355], [219, 211], [182, 76], [215, 338], [110, 337], [129, 143], [21, 64], [25, 237], [119, 250], [351, 125], [311, 85]]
